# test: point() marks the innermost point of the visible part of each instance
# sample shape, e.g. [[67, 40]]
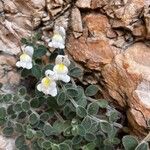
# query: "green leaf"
[[55, 147], [113, 116], [94, 127], [24, 147], [106, 127], [8, 131], [20, 141], [129, 142], [25, 72], [143, 146], [90, 137], [2, 113], [59, 126], [46, 144], [64, 146], [36, 71], [44, 117], [102, 103], [48, 130], [7, 98], [35, 103], [24, 41], [76, 72], [22, 115], [91, 90], [87, 123], [93, 108], [89, 146], [47, 67], [19, 128], [29, 134], [17, 107], [61, 98], [82, 101], [73, 92], [22, 91], [81, 111], [40, 51], [81, 130], [25, 106], [33, 119], [76, 140]]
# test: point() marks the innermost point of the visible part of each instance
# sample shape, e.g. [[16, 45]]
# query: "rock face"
[[110, 37], [118, 48]]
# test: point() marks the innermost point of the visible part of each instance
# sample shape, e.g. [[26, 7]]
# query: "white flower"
[[60, 69], [48, 85], [58, 39], [26, 58]]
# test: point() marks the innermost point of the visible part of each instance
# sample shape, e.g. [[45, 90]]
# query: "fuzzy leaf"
[[40, 51], [20, 141], [61, 98], [129, 142], [8, 131], [93, 108], [76, 72], [90, 137], [73, 92], [33, 119], [143, 146], [36, 71], [106, 127], [102, 103], [91, 90], [87, 123], [48, 130], [81, 111]]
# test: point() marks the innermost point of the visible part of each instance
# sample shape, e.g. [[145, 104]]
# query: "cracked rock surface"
[[108, 37]]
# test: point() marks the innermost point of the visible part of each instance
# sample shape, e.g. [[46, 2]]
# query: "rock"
[[125, 70], [93, 48], [8, 75], [17, 22], [83, 4], [6, 143], [76, 22]]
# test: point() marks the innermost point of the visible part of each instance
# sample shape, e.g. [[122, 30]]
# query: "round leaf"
[[61, 98], [81, 111], [91, 90], [129, 142], [93, 108]]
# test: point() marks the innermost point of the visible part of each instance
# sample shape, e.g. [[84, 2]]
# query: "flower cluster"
[[26, 58], [60, 71], [58, 39]]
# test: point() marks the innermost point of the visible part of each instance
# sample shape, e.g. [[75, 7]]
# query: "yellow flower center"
[[57, 37], [60, 67], [46, 81], [24, 57]]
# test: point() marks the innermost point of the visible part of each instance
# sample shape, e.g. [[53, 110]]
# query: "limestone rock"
[[6, 143], [76, 22], [116, 50], [83, 4], [93, 48]]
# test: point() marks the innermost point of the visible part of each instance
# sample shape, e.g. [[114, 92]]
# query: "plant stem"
[[59, 116]]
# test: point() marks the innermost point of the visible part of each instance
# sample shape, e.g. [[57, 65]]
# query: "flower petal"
[[64, 78], [53, 92], [29, 65], [60, 70], [39, 87], [18, 64], [29, 50]]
